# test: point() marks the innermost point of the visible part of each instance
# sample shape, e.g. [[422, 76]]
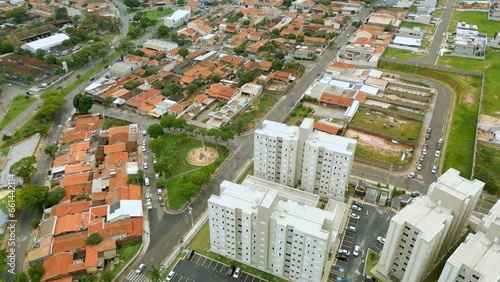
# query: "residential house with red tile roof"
[[134, 103], [221, 92]]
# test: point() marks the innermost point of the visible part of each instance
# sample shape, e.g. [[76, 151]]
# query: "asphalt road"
[[437, 40]]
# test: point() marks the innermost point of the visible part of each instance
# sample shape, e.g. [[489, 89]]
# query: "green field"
[[18, 105], [487, 168], [403, 128], [374, 153], [401, 54], [201, 244], [155, 14], [372, 259], [478, 18], [460, 147]]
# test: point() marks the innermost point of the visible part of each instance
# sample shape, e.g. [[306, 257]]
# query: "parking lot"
[[201, 268], [372, 222]]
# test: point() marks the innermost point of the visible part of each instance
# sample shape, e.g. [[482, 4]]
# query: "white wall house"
[[178, 18]]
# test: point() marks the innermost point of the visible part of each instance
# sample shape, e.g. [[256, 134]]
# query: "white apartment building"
[[459, 196], [278, 151], [274, 228], [415, 236], [290, 155], [327, 164], [476, 259]]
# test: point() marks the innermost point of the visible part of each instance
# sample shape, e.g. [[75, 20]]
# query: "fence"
[[399, 103], [407, 95], [477, 129], [395, 113], [433, 67]]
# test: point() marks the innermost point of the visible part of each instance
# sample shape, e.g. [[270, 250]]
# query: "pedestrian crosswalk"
[[133, 276]]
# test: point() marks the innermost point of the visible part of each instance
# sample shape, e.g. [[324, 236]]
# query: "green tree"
[[181, 2], [287, 3], [189, 190], [61, 13], [167, 122], [277, 65], [199, 178], [162, 182], [47, 113], [32, 197], [82, 103], [182, 137], [157, 145], [491, 184], [214, 132], [53, 97], [246, 76], [21, 277], [126, 46], [50, 150], [39, 54], [227, 135], [215, 78], [107, 102], [155, 274], [35, 272], [155, 130], [18, 15], [93, 239], [163, 31], [54, 197], [163, 165], [24, 168], [132, 3], [3, 258], [179, 123], [6, 46], [131, 84], [183, 52]]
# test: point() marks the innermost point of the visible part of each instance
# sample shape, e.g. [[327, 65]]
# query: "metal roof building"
[[45, 43]]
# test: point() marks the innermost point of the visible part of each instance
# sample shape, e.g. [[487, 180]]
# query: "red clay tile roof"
[[221, 91], [71, 223], [63, 209], [75, 179], [75, 168], [335, 100], [119, 147], [326, 128], [128, 227], [69, 242], [139, 99], [57, 266]]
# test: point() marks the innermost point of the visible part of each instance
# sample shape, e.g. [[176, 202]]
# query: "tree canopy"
[[35, 272], [183, 52], [82, 103], [155, 130], [61, 13], [93, 239], [24, 168], [18, 15]]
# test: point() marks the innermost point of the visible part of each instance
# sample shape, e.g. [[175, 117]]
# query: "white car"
[[419, 166], [354, 216], [160, 192], [145, 165], [144, 133], [351, 228], [355, 252], [149, 204], [440, 141], [237, 273], [434, 169], [344, 252], [424, 152], [437, 153], [381, 240], [144, 143], [157, 176], [170, 276], [411, 175], [356, 208], [155, 161], [144, 148], [140, 268]]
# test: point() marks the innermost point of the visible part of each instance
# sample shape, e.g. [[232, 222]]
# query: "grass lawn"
[[460, 147], [126, 252], [113, 122], [249, 171], [201, 244], [404, 128], [175, 198], [487, 168], [254, 112], [477, 18], [401, 54], [372, 259], [374, 153], [155, 14], [18, 105]]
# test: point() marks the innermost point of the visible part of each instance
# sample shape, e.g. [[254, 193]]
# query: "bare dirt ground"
[[489, 120], [376, 141], [202, 156]]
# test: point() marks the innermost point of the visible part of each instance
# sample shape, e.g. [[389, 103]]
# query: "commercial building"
[[178, 18], [45, 43], [459, 196], [159, 45], [274, 228], [415, 236], [292, 155]]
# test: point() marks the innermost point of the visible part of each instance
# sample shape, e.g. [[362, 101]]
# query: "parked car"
[[140, 268], [356, 208], [160, 192], [424, 152], [438, 147], [381, 240], [351, 228], [437, 153], [144, 148], [440, 141], [434, 169], [411, 175], [341, 257], [230, 271], [354, 216], [356, 250], [359, 204], [370, 279], [427, 136], [144, 133], [344, 252], [91, 79], [429, 130], [189, 255], [149, 205], [143, 142], [160, 199], [237, 273], [170, 276], [419, 166], [145, 165], [415, 194], [422, 157], [157, 176]]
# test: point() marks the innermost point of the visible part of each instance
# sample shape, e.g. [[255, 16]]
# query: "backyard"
[[201, 244], [18, 105], [460, 147], [181, 168]]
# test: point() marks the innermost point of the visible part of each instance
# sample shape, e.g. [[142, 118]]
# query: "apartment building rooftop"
[[425, 215], [452, 183], [278, 129], [333, 142], [479, 254]]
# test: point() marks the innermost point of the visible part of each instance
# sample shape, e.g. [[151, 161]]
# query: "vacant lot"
[[478, 18], [430, 29], [487, 168], [156, 14], [399, 127], [395, 53], [15, 63]]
